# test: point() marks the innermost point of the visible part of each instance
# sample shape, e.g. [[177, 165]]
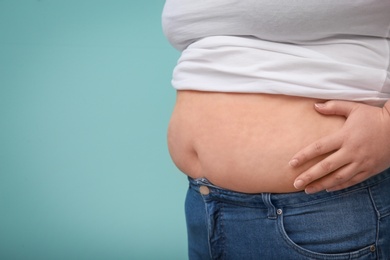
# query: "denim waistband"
[[281, 199]]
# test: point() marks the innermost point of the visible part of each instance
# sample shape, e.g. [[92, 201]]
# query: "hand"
[[359, 150]]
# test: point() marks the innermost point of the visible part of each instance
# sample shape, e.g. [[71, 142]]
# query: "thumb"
[[335, 107]]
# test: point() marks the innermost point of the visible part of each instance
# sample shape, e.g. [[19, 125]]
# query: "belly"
[[244, 142]]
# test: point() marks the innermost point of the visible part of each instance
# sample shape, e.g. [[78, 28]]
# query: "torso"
[[244, 142]]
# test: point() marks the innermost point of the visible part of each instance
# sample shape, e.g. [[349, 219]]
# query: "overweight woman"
[[282, 125]]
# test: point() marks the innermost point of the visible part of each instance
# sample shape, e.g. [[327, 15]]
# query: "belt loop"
[[271, 208]]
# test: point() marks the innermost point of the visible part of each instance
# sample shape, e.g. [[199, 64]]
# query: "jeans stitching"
[[223, 238], [378, 215], [310, 254], [208, 222]]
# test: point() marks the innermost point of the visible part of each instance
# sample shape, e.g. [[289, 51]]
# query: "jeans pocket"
[[340, 227]]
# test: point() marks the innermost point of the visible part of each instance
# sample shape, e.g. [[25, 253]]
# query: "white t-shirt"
[[326, 49]]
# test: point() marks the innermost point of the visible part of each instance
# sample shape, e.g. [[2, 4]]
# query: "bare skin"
[[356, 152], [244, 142]]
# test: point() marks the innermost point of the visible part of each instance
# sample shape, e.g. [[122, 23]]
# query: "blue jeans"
[[353, 223]]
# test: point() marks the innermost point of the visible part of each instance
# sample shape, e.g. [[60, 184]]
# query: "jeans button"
[[204, 190]]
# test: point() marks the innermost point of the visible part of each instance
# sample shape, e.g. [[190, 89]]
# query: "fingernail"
[[310, 190], [298, 184], [319, 105], [293, 162]]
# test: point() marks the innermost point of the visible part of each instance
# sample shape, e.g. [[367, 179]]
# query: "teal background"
[[85, 100]]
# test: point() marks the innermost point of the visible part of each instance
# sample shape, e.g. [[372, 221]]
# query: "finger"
[[321, 169], [337, 178], [362, 176], [335, 107], [320, 147]]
